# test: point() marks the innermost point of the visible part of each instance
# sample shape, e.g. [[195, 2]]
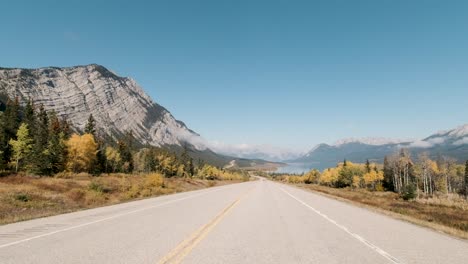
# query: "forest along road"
[[253, 222]]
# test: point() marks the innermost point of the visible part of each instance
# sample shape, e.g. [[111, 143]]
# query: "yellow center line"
[[185, 247]]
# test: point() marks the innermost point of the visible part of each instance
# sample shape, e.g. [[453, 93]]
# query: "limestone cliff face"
[[118, 104]]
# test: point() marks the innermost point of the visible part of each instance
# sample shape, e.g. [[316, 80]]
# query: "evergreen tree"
[[152, 163], [346, 174], [56, 146], [11, 121], [200, 164], [345, 163], [55, 126], [66, 128], [368, 168], [90, 127], [29, 115], [12, 117], [100, 165], [57, 153], [190, 167], [187, 161], [40, 157], [388, 175], [125, 151], [149, 159], [100, 162]]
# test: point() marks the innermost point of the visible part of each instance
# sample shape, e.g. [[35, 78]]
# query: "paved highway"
[[252, 222]]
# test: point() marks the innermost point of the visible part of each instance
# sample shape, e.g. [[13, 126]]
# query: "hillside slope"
[[452, 143], [118, 105]]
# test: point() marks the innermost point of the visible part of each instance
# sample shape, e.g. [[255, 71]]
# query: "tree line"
[[32, 139], [345, 174], [35, 141], [411, 178], [423, 176]]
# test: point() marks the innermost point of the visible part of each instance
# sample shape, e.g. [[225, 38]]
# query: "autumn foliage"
[[81, 152], [345, 174], [420, 177]]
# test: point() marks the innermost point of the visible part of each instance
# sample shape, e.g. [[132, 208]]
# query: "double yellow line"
[[185, 247]]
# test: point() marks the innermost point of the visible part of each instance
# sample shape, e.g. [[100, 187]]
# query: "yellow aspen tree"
[[113, 158], [22, 145], [82, 152], [329, 176], [372, 178], [357, 182]]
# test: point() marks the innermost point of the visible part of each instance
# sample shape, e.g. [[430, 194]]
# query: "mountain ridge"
[[118, 104], [452, 142]]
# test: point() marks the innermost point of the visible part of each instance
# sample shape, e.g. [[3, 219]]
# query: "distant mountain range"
[[263, 152], [118, 104], [453, 143]]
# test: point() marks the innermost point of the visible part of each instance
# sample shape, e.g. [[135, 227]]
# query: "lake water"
[[294, 168]]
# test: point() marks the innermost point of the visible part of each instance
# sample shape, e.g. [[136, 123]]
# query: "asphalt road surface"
[[252, 222]]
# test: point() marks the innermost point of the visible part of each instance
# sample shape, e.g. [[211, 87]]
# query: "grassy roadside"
[[26, 197], [449, 216]]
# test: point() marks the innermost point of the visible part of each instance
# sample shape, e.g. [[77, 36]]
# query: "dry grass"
[[445, 214], [24, 197]]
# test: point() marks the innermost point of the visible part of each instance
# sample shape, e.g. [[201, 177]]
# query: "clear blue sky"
[[286, 73]]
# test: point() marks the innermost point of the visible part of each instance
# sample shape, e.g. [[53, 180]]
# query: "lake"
[[294, 168]]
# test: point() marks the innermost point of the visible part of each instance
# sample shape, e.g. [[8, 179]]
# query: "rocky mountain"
[[453, 143], [457, 136], [117, 103]]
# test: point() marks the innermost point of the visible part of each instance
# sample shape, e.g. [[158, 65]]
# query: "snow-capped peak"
[[458, 132]]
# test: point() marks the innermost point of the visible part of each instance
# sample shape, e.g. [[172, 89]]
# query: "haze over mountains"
[[452, 143]]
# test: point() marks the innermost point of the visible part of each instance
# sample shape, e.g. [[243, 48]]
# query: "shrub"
[[133, 192], [211, 177], [125, 184], [146, 193], [23, 197], [379, 187], [154, 180], [99, 187], [95, 198], [408, 192]]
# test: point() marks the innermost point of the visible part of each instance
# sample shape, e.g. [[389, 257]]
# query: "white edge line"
[[108, 218], [356, 236]]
